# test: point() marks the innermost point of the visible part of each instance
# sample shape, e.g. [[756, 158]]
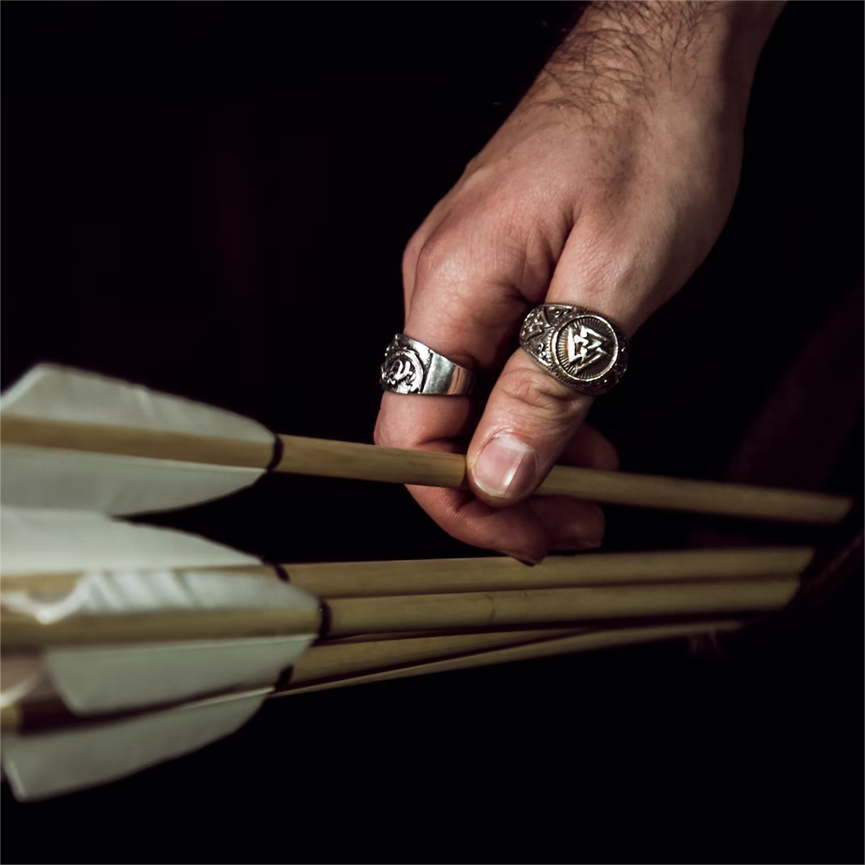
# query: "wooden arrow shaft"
[[394, 465], [494, 573], [574, 606]]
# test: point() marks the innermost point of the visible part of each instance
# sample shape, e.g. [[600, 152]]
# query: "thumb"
[[531, 415], [529, 419]]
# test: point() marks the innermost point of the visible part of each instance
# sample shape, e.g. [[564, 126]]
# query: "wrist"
[[623, 55]]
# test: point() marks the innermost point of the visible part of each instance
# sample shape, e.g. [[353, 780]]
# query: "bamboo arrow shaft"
[[555, 606], [576, 606], [343, 659], [339, 665], [23, 633], [583, 641], [354, 461], [447, 576], [497, 574], [425, 468], [394, 465]]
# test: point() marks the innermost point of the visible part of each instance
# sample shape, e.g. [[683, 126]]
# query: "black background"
[[202, 197]]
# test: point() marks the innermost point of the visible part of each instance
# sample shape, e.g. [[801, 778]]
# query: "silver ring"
[[581, 348], [412, 367]]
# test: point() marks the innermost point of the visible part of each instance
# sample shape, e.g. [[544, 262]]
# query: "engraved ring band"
[[410, 367]]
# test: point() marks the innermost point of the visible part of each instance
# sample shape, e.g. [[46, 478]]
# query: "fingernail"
[[505, 468], [522, 558]]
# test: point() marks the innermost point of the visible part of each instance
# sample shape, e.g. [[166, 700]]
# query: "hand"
[[605, 188]]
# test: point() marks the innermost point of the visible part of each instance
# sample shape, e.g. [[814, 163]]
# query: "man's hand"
[[605, 188]]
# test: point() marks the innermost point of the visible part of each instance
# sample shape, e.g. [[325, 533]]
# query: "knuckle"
[[546, 397], [412, 251], [434, 256]]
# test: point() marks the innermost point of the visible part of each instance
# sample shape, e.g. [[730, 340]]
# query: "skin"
[[606, 188]]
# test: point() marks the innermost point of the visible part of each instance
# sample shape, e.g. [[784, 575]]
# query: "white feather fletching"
[[94, 680], [165, 673], [127, 568], [48, 764], [43, 477], [41, 540]]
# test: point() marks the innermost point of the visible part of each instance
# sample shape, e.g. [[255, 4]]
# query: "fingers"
[[531, 417], [518, 532], [470, 276], [407, 421], [573, 525], [467, 281], [527, 531], [467, 292]]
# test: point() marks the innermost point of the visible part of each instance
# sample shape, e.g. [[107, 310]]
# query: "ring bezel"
[[539, 338]]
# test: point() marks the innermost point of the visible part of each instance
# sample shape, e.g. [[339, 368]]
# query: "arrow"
[[142, 572], [131, 633], [154, 642], [77, 440], [59, 761]]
